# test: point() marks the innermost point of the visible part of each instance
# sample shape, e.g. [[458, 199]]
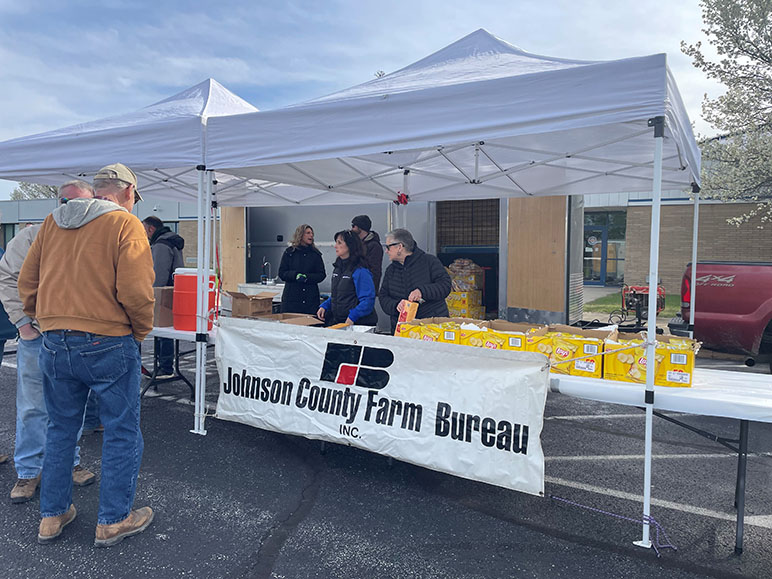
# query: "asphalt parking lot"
[[242, 502]]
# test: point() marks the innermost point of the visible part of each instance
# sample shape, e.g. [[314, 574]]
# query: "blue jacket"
[[365, 296]]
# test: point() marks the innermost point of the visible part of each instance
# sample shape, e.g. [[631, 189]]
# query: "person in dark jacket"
[[414, 276], [166, 247], [301, 269], [352, 300], [361, 225]]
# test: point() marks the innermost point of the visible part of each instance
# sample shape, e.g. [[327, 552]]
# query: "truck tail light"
[[686, 290]]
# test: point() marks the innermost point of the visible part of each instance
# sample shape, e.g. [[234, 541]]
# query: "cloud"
[[65, 63]]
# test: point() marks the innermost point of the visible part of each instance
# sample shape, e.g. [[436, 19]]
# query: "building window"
[[604, 247]]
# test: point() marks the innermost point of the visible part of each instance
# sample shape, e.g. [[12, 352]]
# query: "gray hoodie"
[[72, 215]]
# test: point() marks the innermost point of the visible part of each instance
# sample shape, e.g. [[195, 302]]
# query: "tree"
[[33, 191], [738, 165]]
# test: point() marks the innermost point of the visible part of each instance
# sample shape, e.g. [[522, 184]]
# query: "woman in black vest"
[[301, 269], [353, 294]]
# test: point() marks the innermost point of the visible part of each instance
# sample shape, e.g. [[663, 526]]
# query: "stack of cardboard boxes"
[[572, 351], [468, 287]]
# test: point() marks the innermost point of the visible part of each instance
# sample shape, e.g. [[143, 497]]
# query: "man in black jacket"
[[414, 276], [361, 225], [166, 247]]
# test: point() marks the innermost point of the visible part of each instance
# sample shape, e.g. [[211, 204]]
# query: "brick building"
[[626, 249]]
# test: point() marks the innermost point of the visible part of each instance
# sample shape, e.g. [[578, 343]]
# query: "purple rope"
[[646, 519]]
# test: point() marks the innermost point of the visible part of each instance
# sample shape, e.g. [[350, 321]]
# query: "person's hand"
[[28, 332], [301, 277], [400, 307], [415, 296], [349, 322], [320, 313]]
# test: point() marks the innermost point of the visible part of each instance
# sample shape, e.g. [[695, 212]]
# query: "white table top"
[[741, 395], [184, 335]]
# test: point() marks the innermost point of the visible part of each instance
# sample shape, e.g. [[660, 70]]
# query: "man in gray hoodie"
[[31, 413]]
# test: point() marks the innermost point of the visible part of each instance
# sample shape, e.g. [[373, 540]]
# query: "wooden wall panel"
[[233, 254], [537, 254]]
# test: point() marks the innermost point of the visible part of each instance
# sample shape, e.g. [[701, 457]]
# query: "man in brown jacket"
[[88, 281]]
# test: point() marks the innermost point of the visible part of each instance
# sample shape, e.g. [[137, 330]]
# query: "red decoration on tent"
[[402, 199]]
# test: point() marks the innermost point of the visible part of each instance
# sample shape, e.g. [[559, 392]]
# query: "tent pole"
[[201, 408], [201, 301], [431, 229], [695, 232], [503, 256], [656, 201]]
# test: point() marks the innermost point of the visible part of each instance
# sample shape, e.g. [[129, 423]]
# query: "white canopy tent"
[[165, 145], [478, 119]]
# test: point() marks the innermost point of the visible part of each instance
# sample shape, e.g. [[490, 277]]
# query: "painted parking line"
[[764, 521], [580, 417], [606, 457]]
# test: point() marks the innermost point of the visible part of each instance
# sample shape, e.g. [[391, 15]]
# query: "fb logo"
[[357, 365]]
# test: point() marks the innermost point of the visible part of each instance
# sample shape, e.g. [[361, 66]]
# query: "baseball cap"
[[122, 172]]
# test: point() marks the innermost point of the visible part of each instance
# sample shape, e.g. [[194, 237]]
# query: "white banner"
[[470, 412]]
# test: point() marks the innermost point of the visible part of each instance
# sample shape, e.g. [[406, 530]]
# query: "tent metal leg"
[[658, 123], [202, 306], [693, 286], [742, 462]]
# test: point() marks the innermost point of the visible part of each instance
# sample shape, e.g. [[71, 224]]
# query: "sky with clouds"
[[63, 63]]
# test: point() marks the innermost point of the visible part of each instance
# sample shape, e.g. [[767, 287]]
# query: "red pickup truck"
[[733, 307]]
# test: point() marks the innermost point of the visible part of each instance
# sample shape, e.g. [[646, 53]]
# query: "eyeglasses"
[[390, 245]]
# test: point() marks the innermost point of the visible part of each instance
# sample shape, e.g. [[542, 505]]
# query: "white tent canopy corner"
[[478, 119]]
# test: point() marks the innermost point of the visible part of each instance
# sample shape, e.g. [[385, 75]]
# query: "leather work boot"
[[4, 458], [82, 477], [137, 521], [24, 489], [51, 527]]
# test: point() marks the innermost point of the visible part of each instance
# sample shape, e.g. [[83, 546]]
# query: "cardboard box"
[[302, 320], [279, 317], [464, 299], [674, 360], [569, 343], [514, 334], [472, 312], [163, 315], [245, 306]]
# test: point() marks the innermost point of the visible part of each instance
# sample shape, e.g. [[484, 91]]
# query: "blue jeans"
[[31, 415], [110, 368], [91, 418], [165, 356]]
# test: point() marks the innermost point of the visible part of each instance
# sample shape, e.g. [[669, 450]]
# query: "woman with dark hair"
[[353, 293], [301, 269]]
